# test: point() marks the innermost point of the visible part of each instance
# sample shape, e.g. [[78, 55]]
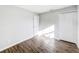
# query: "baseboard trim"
[[67, 41], [70, 43], [16, 43]]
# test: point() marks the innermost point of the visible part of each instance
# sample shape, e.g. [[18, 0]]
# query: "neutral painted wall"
[[78, 25], [16, 24], [53, 17], [47, 20]]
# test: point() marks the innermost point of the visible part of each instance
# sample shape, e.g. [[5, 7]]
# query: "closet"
[[68, 26]]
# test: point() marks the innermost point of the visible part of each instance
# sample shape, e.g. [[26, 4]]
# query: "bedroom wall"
[[78, 25], [47, 20], [16, 25]]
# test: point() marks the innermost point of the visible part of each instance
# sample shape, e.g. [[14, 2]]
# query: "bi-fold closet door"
[[68, 26]]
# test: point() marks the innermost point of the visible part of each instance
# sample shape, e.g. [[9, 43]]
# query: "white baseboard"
[[16, 43]]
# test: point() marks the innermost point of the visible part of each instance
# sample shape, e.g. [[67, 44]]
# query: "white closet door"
[[67, 26]]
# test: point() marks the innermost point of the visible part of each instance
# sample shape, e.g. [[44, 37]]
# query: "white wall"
[[53, 17], [78, 25], [16, 24], [47, 20]]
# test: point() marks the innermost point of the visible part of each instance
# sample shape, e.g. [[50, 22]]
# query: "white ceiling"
[[42, 8]]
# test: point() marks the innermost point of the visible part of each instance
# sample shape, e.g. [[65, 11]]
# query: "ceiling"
[[42, 8]]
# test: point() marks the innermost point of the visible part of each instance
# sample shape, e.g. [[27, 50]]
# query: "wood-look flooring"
[[41, 44]]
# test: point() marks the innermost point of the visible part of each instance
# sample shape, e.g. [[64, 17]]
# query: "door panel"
[[67, 26]]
